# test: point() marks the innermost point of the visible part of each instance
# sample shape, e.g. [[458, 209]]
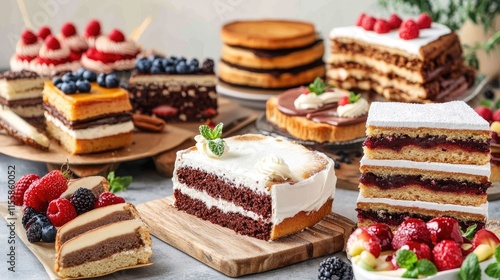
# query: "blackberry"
[[83, 200], [28, 213], [34, 233], [208, 66], [40, 219], [335, 267]]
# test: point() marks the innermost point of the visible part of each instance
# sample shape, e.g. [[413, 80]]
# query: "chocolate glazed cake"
[[262, 187], [424, 161]]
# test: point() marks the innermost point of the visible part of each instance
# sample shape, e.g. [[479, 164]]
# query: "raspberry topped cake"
[[27, 49], [75, 42], [92, 32], [410, 61], [174, 88], [44, 32], [256, 185], [319, 113], [53, 57]]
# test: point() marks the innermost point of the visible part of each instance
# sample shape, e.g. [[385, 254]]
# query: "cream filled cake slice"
[[20, 129], [261, 186], [450, 132]]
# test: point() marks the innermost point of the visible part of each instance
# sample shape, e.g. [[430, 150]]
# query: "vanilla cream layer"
[[101, 234], [480, 170], [88, 182], [28, 111], [481, 210], [313, 172], [98, 66], [23, 127], [21, 88], [207, 80], [92, 132]]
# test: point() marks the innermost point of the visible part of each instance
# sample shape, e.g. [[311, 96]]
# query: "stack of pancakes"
[[270, 54]]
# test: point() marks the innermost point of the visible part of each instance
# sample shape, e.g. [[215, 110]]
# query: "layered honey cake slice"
[[256, 185], [92, 119], [20, 129]]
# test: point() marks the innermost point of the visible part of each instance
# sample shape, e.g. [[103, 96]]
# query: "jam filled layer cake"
[[174, 89], [424, 161], [96, 118], [270, 54], [423, 68], [260, 186]]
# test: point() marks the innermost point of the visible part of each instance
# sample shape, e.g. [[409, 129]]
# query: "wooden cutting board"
[[236, 255]]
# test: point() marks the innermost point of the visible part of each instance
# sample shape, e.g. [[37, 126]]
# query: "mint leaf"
[[470, 269], [493, 270], [497, 104], [217, 132], [118, 184], [318, 86], [469, 232], [206, 132], [111, 176], [497, 253], [406, 258], [426, 267], [410, 273], [486, 103], [216, 146], [353, 97]]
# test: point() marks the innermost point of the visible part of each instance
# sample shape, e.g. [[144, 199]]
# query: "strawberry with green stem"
[[350, 99]]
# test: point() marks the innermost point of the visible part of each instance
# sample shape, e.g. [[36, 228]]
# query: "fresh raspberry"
[[28, 37], [43, 32], [424, 20], [484, 112], [108, 198], [447, 255], [116, 35], [344, 100], [21, 186], [165, 111], [68, 29], [32, 198], [368, 22], [394, 21], [359, 21], [207, 66], [52, 185], [93, 29], [60, 211], [83, 200], [52, 43], [409, 30], [411, 230], [382, 26]]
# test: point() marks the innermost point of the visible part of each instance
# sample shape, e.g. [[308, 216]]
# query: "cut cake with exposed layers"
[[424, 161], [262, 187], [427, 68]]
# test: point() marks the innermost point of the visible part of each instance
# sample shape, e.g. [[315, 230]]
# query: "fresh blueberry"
[[68, 87], [112, 81], [154, 57], [79, 72], [40, 219], [173, 58], [157, 63], [166, 62], [156, 69], [83, 86], [143, 65], [170, 69], [49, 234], [193, 68], [101, 79], [89, 76], [181, 59], [182, 67], [69, 77], [57, 80], [489, 94], [59, 85], [194, 62]]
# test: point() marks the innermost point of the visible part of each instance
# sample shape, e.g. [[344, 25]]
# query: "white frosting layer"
[[28, 50], [104, 44], [23, 127], [274, 167], [392, 39], [237, 167], [98, 66], [450, 115], [28, 111], [481, 170], [92, 132], [75, 42], [353, 110], [482, 209], [314, 101]]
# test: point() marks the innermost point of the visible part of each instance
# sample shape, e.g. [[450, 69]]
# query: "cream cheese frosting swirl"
[[202, 146], [58, 54], [75, 42], [104, 44], [28, 50], [352, 110], [313, 101], [274, 168]]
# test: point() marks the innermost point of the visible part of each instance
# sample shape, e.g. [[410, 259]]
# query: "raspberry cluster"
[[408, 29]]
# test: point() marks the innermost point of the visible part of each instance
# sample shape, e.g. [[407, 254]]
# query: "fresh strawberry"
[[363, 240], [32, 198], [424, 20], [394, 21], [383, 233], [21, 186], [447, 255], [116, 35], [344, 100], [484, 236], [43, 32], [165, 111], [68, 29], [409, 30], [411, 230], [60, 211], [496, 116], [368, 23], [359, 21], [422, 250], [28, 37], [484, 112], [52, 185], [52, 43], [442, 228], [108, 198], [382, 26]]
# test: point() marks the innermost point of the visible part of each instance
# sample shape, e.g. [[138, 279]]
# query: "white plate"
[[253, 98]]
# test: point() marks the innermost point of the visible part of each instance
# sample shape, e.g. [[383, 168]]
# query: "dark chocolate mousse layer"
[[442, 185], [21, 102], [15, 75], [279, 72], [396, 143], [237, 222], [219, 189], [264, 53]]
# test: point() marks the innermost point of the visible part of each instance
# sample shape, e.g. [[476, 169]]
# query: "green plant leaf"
[[470, 269], [486, 103], [411, 273], [497, 254], [216, 146], [353, 97], [206, 132], [318, 86], [118, 184], [217, 132], [493, 270], [406, 258], [426, 267], [469, 232]]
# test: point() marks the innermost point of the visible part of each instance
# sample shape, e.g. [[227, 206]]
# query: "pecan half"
[[148, 123]]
